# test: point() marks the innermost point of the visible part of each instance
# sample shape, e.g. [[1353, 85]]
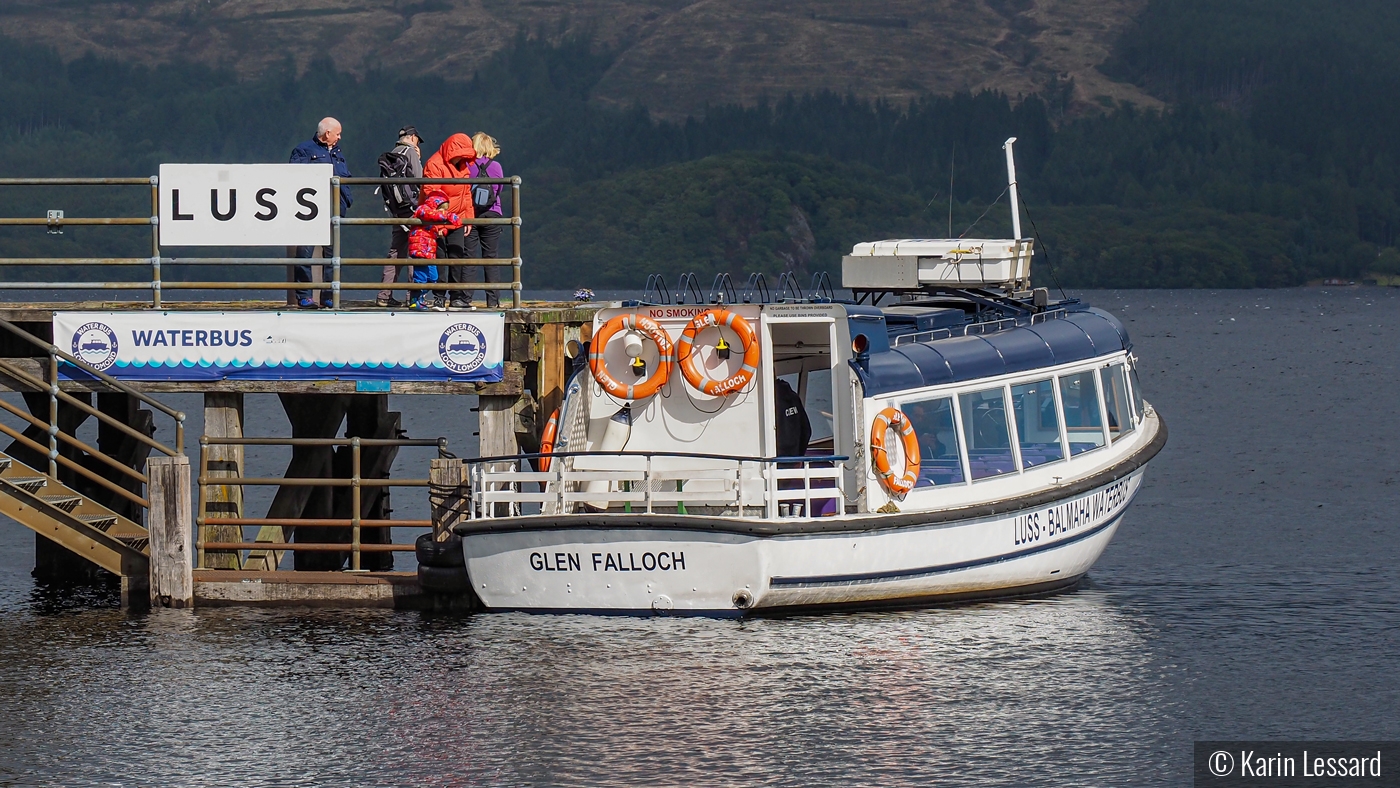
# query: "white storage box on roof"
[[912, 263]]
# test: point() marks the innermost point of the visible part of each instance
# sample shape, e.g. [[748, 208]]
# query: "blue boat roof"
[[1077, 336]]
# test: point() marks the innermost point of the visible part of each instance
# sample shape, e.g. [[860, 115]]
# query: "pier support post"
[[497, 420], [171, 573], [447, 495], [223, 418]]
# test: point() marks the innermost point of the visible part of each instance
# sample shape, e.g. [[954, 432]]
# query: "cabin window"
[[987, 434], [939, 460], [1037, 423], [1115, 394], [1083, 424], [1137, 392]]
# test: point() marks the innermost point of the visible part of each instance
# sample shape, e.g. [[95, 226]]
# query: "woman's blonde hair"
[[485, 145]]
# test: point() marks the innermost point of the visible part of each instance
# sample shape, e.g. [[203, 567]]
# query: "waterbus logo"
[[462, 348], [95, 344]]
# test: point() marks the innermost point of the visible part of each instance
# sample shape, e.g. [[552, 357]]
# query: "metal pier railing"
[[157, 264], [274, 547]]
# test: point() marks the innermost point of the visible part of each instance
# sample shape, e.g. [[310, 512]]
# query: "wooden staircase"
[[75, 521]]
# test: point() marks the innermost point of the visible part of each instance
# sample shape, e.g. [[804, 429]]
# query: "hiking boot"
[[390, 302]]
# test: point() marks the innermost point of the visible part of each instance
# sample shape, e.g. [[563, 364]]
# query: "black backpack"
[[399, 198], [483, 195]]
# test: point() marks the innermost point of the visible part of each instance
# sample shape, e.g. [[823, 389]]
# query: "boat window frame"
[[964, 468], [1105, 380], [1139, 405], [1059, 418], [1010, 431], [1006, 381]]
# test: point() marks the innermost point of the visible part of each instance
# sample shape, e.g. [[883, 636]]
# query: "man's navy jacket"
[[313, 151]]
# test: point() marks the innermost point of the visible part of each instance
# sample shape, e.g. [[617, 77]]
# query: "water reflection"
[[322, 698]]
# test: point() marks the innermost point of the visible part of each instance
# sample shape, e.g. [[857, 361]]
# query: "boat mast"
[[1011, 185]]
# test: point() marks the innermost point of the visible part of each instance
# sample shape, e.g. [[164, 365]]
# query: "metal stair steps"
[[65, 502], [4, 464], [30, 484], [136, 542], [99, 521]]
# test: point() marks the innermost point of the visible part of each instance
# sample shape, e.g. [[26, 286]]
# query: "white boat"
[[972, 439]]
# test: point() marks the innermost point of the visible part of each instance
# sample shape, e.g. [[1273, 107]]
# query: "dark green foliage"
[[1276, 166]]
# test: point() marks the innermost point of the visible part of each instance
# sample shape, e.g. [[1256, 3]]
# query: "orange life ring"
[[894, 418], [655, 380], [547, 438], [689, 360]]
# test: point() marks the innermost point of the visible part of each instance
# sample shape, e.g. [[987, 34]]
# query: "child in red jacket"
[[423, 244]]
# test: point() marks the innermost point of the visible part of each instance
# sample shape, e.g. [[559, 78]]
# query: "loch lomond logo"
[[462, 348], [96, 344]]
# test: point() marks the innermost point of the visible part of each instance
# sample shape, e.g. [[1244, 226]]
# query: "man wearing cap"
[[324, 148], [408, 147]]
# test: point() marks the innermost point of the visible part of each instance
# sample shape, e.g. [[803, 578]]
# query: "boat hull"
[[672, 567]]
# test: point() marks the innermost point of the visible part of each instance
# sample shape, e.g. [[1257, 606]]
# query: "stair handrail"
[[55, 353]]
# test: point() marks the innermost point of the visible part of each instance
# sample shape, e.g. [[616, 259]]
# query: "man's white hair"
[[326, 125]]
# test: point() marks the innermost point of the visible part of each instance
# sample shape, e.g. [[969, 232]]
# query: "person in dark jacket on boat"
[[324, 148], [794, 428]]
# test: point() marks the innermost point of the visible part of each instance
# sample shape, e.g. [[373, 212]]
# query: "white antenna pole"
[[1011, 184]]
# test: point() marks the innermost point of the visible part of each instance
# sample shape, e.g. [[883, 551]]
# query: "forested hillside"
[[1267, 169]]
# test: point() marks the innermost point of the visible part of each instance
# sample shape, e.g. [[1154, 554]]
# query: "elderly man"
[[324, 148]]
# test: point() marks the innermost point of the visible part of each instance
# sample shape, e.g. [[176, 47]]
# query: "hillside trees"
[[1226, 189]]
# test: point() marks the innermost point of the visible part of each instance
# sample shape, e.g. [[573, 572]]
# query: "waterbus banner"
[[198, 346]]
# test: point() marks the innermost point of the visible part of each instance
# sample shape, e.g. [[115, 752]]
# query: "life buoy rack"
[[547, 438], [689, 360], [897, 484], [653, 331]]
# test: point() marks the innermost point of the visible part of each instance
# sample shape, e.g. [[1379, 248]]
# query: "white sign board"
[[195, 346], [245, 204]]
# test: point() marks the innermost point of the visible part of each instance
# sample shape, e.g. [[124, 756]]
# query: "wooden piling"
[[171, 570], [223, 418], [447, 495]]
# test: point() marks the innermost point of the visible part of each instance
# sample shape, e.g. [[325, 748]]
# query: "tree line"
[[1239, 184]]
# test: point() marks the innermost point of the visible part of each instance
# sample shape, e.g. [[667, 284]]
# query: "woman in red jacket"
[[453, 160]]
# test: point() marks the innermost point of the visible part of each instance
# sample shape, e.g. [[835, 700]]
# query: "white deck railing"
[[785, 487]]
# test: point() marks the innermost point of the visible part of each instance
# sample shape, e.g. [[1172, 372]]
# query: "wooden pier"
[[176, 523]]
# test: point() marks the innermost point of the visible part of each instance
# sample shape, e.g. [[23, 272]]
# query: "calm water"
[[1251, 593]]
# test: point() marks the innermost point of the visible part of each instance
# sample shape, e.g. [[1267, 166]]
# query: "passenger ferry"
[[971, 438]]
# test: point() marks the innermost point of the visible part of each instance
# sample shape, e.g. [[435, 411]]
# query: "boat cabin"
[[770, 410]]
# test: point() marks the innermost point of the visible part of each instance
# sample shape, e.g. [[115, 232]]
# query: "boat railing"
[[972, 329], [660, 483]]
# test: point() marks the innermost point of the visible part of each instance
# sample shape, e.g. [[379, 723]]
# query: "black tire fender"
[[447, 553]]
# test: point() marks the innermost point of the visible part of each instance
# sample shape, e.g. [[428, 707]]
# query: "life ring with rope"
[[547, 438], [894, 419], [689, 359], [653, 382]]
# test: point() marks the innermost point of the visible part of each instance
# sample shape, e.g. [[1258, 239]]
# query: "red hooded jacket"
[[422, 239], [439, 165]]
